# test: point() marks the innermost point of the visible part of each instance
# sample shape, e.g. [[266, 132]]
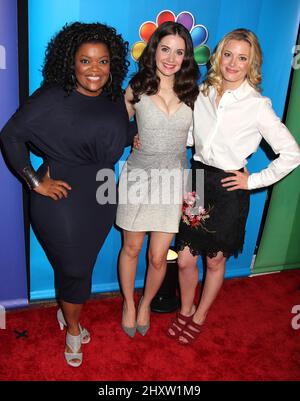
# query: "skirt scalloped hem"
[[210, 252], [224, 229]]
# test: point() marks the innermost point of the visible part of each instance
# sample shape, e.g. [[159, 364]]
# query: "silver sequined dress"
[[151, 182]]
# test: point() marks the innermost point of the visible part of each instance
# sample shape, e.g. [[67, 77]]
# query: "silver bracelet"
[[30, 176]]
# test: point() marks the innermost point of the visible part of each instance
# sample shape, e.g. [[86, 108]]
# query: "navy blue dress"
[[77, 136]]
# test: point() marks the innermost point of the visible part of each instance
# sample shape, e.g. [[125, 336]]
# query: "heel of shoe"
[[61, 325], [60, 319]]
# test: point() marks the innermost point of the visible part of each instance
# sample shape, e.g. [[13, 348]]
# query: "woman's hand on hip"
[[237, 181], [136, 142], [55, 189]]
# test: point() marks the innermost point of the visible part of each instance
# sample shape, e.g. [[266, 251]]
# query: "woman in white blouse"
[[230, 119]]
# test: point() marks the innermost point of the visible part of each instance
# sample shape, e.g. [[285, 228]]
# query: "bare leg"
[[133, 242], [212, 285], [72, 316], [188, 281], [158, 250]]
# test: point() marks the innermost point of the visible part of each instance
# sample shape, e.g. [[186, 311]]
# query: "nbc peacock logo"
[[199, 34]]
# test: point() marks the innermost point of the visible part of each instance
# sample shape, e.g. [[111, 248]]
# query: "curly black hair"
[[59, 63], [185, 84]]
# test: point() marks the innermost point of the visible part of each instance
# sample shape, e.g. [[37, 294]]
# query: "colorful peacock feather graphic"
[[199, 34]]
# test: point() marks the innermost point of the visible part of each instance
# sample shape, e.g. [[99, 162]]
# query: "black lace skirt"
[[223, 225]]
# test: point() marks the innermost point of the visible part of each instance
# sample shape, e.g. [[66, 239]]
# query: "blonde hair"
[[214, 76]]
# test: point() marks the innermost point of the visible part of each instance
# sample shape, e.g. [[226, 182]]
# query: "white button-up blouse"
[[225, 136]]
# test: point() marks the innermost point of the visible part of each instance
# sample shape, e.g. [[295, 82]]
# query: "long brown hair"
[[146, 80]]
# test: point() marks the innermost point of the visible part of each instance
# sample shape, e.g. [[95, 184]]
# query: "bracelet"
[[30, 176]]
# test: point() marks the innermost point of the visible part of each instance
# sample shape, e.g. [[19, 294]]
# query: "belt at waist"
[[199, 165], [157, 153]]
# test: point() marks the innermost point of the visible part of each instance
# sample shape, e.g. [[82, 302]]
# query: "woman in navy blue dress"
[[78, 121]]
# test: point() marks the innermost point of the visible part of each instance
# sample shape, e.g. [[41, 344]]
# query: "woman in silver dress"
[[162, 96]]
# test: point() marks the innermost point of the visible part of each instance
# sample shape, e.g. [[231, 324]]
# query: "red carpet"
[[249, 336]]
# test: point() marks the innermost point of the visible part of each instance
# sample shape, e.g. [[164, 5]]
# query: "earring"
[[110, 80], [73, 79]]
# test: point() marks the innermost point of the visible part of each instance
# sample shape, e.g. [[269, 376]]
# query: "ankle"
[[144, 303], [199, 319], [74, 330], [188, 311], [129, 305]]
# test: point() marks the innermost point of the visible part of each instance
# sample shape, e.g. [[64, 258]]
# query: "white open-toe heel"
[[74, 343], [85, 335]]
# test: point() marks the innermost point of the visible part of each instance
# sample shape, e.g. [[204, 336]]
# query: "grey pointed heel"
[[142, 329], [130, 331]]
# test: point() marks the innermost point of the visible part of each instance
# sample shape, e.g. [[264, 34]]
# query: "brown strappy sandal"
[[177, 326], [189, 334]]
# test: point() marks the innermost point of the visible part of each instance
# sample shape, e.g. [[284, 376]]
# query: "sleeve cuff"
[[253, 182]]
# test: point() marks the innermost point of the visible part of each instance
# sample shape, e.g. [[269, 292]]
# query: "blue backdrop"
[[275, 22], [13, 286]]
